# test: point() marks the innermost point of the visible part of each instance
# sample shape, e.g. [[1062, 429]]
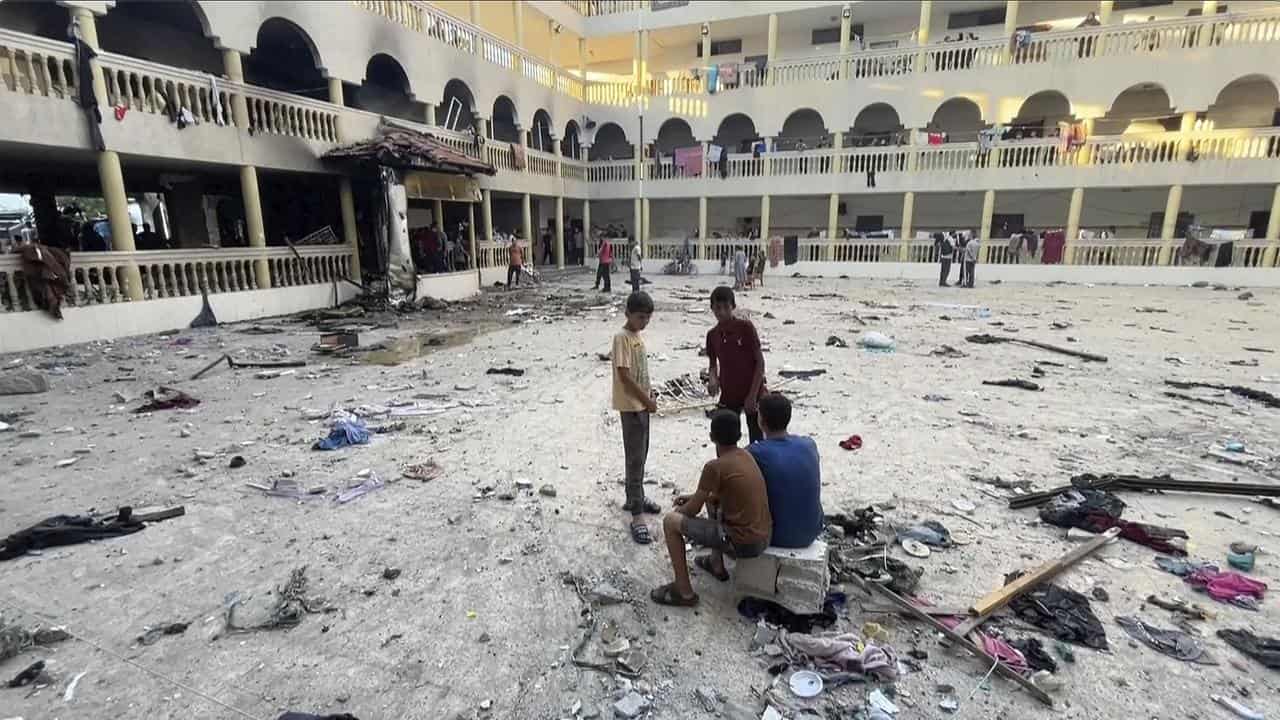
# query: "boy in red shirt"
[[736, 362], [606, 266], [515, 262]]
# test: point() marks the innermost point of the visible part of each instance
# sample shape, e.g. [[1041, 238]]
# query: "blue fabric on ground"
[[344, 433]]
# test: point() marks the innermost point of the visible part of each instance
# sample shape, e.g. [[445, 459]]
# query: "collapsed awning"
[[406, 149], [421, 185]]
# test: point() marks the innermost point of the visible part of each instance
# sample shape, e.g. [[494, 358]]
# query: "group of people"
[[768, 494], [748, 270], [437, 251], [961, 248]]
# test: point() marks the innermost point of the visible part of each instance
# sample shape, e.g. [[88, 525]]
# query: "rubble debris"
[[998, 482], [984, 339], [708, 698], [390, 573], [367, 485], [204, 318], [32, 674], [166, 398], [1265, 650], [1240, 709], [15, 639], [771, 612], [929, 532], [801, 374], [1190, 611], [423, 471], [291, 605], [1174, 643], [1120, 481], [947, 351], [23, 382], [74, 529], [836, 341], [1260, 396], [1192, 398], [1246, 295], [152, 633], [1014, 383], [547, 491], [514, 372], [873, 340]]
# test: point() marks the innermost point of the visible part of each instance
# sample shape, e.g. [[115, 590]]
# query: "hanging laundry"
[[713, 153], [758, 149], [729, 75], [935, 138], [85, 95], [1054, 243], [713, 75], [987, 138], [517, 156], [215, 97], [185, 118], [120, 112], [689, 160], [48, 276]]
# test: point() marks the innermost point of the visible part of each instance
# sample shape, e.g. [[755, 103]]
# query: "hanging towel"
[[986, 138], [215, 99], [757, 150], [723, 165], [517, 156], [689, 160], [713, 74], [729, 74], [87, 98], [714, 152], [937, 138], [1053, 245]]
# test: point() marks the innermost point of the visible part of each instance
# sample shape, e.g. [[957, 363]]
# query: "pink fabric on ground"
[[1226, 586], [994, 646]]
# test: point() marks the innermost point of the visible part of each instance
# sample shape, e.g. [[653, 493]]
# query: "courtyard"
[[446, 597]]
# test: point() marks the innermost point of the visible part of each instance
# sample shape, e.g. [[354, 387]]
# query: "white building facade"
[[849, 132]]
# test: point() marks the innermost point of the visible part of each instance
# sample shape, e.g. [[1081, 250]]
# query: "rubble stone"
[[796, 579], [630, 706]]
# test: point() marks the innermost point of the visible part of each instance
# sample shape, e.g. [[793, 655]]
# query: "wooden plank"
[[997, 599], [959, 640]]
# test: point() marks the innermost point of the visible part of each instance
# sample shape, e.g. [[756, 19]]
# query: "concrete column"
[[336, 97], [526, 220], [1185, 128], [772, 48], [234, 70], [429, 114], [560, 232], [517, 9], [486, 214], [253, 222], [635, 61], [1273, 231], [586, 219], [89, 33], [473, 12], [1171, 208], [1010, 17], [1104, 11], [648, 228], [926, 15], [702, 227], [111, 176], [764, 219], [833, 224], [437, 212], [644, 64], [582, 69], [706, 54], [846, 23], [913, 137], [638, 225], [908, 229], [984, 230], [349, 233], [1073, 223], [471, 236], [551, 49]]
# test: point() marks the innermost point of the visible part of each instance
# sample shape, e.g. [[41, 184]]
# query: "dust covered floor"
[[479, 620]]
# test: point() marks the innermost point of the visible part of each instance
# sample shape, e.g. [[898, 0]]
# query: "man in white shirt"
[[970, 260], [636, 261]]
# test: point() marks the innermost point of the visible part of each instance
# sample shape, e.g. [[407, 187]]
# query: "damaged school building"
[[183, 147]]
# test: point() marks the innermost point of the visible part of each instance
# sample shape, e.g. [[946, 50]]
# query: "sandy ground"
[[480, 622]]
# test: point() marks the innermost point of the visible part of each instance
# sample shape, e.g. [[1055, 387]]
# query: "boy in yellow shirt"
[[633, 399]]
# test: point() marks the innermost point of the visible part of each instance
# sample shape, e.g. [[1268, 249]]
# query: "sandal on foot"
[[640, 533], [647, 506], [668, 595], [704, 562]]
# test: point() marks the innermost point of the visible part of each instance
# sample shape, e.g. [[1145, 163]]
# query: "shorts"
[[711, 533]]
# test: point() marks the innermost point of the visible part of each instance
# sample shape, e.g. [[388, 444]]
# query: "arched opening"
[[1247, 102], [1142, 108], [674, 133], [803, 129], [571, 143], [736, 133], [505, 120], [284, 58], [541, 132], [959, 118], [46, 19], [610, 143], [386, 90], [1039, 115], [169, 33], [457, 107], [876, 124]]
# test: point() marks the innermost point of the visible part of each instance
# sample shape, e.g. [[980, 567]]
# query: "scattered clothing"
[[929, 532], [774, 614], [28, 676], [1227, 587], [68, 530], [1037, 657], [345, 431], [994, 646], [1174, 643], [1263, 649], [793, 478], [1065, 614], [364, 487], [846, 652], [1098, 511], [47, 272], [166, 398], [853, 442]]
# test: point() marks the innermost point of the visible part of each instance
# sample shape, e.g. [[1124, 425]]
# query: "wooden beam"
[[997, 599]]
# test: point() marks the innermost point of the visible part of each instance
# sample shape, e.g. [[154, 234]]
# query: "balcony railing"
[[98, 278]]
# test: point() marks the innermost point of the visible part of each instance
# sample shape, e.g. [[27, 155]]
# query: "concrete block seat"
[[795, 578]]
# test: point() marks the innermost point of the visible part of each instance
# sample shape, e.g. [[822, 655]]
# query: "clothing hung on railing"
[[714, 152], [729, 74], [85, 95], [987, 138], [713, 76], [1071, 136], [1054, 243], [517, 156], [215, 100], [689, 160]]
